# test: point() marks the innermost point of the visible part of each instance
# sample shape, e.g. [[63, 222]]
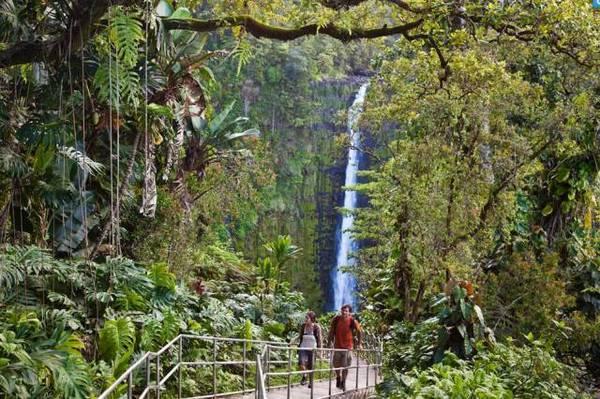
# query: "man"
[[342, 333]]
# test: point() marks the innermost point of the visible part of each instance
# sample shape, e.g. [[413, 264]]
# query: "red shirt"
[[344, 332]]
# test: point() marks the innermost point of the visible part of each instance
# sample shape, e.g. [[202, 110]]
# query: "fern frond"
[[244, 53], [161, 276], [150, 339], [117, 85], [126, 34]]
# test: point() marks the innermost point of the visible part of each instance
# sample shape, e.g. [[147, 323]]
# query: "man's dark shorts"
[[342, 358]]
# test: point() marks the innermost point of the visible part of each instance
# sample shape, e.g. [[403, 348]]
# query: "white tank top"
[[308, 339]]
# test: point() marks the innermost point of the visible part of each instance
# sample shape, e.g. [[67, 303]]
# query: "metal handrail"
[[263, 367], [177, 342], [125, 375], [265, 354], [261, 392]]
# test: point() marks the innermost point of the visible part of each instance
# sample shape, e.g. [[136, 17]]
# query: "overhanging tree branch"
[[86, 23], [85, 15], [260, 29]]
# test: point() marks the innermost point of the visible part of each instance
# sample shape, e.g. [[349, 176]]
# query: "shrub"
[[505, 371]]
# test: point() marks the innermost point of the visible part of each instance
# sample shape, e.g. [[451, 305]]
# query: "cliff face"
[[298, 97], [310, 171], [310, 176]]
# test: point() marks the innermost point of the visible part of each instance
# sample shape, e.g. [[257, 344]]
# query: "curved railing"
[[149, 375]]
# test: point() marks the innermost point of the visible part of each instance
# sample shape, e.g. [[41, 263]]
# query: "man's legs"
[[338, 361], [347, 363]]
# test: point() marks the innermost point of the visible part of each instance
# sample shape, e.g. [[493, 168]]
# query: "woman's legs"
[[302, 361]]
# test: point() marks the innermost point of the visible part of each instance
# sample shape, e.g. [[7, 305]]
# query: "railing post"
[[214, 384], [256, 379], [158, 377], [268, 366], [179, 372], [130, 385], [148, 361], [330, 369], [376, 366], [312, 374], [357, 367], [367, 382], [289, 370], [244, 357]]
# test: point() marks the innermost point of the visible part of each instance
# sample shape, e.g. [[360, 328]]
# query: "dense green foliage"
[[70, 328]]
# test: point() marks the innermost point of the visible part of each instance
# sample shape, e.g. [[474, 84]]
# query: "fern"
[[244, 53], [150, 338], [117, 85], [161, 276], [131, 300], [170, 326], [156, 333], [126, 34]]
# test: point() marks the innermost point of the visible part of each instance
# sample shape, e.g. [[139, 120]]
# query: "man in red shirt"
[[342, 333]]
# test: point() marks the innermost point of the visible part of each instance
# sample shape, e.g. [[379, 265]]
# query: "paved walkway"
[[321, 388]]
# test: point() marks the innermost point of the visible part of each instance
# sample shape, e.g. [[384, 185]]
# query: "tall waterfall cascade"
[[344, 283]]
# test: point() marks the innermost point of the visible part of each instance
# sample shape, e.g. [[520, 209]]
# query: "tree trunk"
[[124, 185]]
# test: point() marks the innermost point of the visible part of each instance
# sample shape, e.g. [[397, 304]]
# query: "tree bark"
[[260, 29]]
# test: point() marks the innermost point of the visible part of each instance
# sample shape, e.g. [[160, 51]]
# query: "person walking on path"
[[344, 333], [310, 339]]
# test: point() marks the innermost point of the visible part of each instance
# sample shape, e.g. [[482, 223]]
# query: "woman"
[[310, 338]]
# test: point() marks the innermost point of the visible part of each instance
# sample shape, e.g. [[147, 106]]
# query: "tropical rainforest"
[[173, 167]]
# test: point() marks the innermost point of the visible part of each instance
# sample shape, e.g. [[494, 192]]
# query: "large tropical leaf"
[[116, 339], [73, 221], [73, 379], [215, 124]]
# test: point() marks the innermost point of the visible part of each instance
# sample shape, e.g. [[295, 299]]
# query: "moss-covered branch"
[[52, 49], [260, 29], [84, 18]]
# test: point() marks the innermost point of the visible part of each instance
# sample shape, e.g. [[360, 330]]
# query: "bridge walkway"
[[199, 367]]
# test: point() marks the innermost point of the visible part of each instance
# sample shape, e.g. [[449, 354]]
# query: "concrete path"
[[321, 388]]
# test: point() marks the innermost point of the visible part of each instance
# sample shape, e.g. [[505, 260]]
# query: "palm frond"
[[84, 162], [11, 163]]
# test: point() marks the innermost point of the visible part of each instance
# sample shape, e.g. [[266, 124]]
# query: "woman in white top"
[[310, 339]]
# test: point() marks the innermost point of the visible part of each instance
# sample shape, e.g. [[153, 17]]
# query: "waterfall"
[[344, 284]]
